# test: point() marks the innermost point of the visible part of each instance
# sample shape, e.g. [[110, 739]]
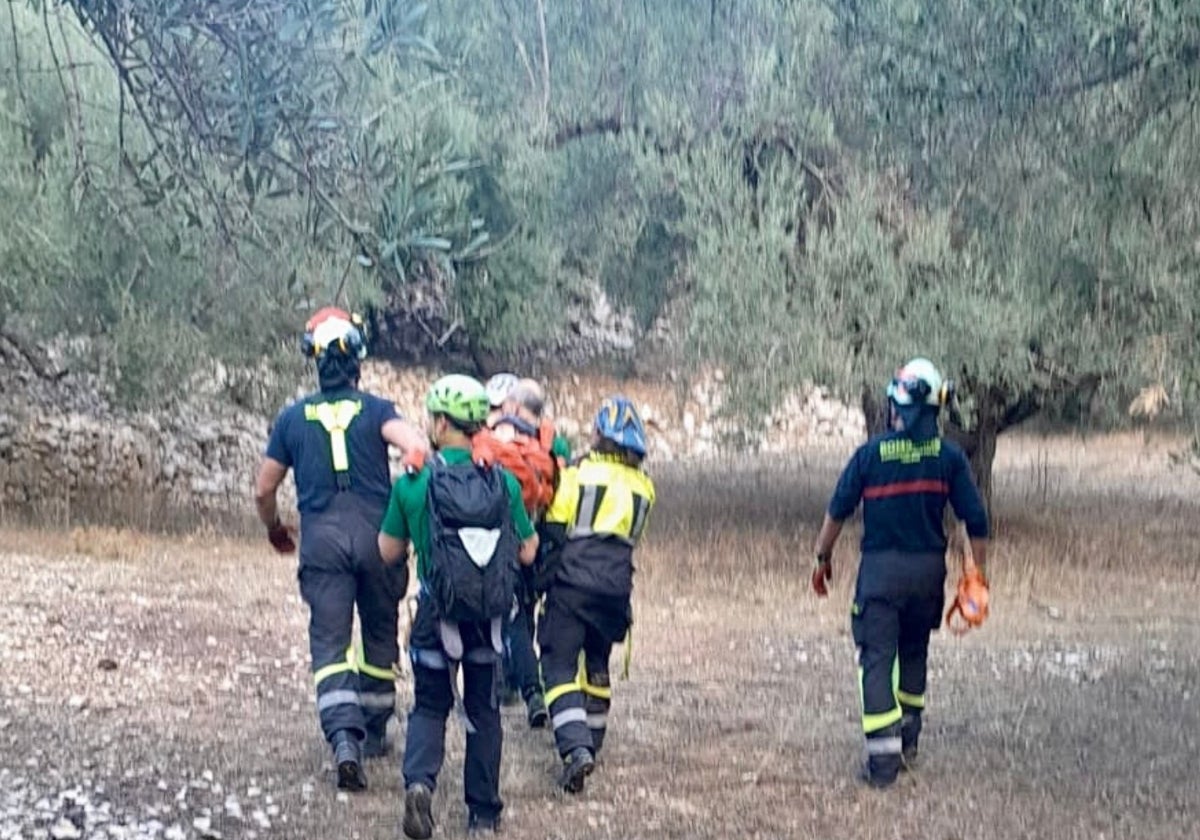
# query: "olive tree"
[[1016, 200]]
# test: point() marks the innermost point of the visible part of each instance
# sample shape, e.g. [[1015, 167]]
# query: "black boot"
[[347, 755], [535, 711], [377, 744], [577, 766], [910, 734], [478, 824], [883, 759]]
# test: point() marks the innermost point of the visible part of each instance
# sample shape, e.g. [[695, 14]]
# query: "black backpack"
[[473, 542]]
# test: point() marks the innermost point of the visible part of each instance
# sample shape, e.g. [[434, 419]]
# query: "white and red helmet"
[[331, 328]]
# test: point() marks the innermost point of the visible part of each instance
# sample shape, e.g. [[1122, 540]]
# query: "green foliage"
[[1030, 225], [1008, 187]]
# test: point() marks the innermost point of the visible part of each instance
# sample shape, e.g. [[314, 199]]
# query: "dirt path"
[[162, 690]]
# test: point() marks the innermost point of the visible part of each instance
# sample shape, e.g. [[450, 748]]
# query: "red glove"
[[822, 574], [413, 461], [282, 537]]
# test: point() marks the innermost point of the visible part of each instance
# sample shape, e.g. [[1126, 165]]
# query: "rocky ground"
[[159, 688]]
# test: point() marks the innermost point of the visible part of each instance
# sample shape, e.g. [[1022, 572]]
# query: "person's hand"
[[282, 537], [822, 574], [413, 461], [971, 602], [482, 453]]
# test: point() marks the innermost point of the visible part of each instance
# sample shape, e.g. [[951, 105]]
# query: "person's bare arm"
[[528, 551], [404, 436], [282, 536], [979, 549], [266, 485], [831, 529], [391, 549]]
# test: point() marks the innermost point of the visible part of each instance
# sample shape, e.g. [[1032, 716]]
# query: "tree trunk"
[[979, 444], [874, 409]]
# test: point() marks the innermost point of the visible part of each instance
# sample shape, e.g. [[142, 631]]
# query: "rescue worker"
[[597, 518], [904, 479], [457, 407], [521, 417], [336, 442], [498, 388]]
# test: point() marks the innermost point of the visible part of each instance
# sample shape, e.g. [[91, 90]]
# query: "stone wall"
[[62, 444], [682, 416]]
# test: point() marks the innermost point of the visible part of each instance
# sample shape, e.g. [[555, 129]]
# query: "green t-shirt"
[[408, 519], [561, 447]]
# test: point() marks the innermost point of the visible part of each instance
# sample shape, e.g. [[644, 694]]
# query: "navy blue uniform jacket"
[[904, 487]]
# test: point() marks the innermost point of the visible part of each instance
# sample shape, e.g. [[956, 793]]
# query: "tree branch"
[[12, 19], [520, 45], [578, 130], [541, 13], [62, 83], [356, 229], [79, 135]]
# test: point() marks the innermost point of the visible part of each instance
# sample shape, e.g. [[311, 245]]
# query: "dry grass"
[[1073, 713]]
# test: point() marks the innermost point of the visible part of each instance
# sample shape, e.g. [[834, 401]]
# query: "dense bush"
[[1009, 187]]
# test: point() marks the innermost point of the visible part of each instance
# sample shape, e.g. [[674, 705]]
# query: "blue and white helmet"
[[618, 420]]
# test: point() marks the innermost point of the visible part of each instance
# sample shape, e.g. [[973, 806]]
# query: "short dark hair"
[[468, 429], [604, 446]]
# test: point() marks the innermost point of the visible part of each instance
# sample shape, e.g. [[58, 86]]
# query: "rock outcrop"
[[63, 444]]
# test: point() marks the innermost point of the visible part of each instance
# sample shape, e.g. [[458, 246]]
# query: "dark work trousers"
[[433, 699], [576, 634], [520, 659], [897, 604], [340, 567]]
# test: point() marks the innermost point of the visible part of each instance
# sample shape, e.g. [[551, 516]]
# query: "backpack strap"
[[452, 648], [523, 426]]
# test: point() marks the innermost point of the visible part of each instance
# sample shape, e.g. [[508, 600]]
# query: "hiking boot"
[[347, 755], [535, 711], [477, 825], [418, 812], [578, 764]]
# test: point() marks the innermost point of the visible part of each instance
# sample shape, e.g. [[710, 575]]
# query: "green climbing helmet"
[[461, 398]]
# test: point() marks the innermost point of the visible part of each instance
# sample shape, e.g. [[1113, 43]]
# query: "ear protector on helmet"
[[334, 327], [918, 391], [947, 393]]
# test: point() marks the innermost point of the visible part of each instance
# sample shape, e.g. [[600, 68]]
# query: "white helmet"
[[499, 387], [332, 328], [917, 382]]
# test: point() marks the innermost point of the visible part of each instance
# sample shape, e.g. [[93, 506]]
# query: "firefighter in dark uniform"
[[336, 442], [903, 478], [599, 514]]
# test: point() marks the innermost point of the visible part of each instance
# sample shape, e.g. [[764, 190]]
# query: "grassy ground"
[[155, 687]]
